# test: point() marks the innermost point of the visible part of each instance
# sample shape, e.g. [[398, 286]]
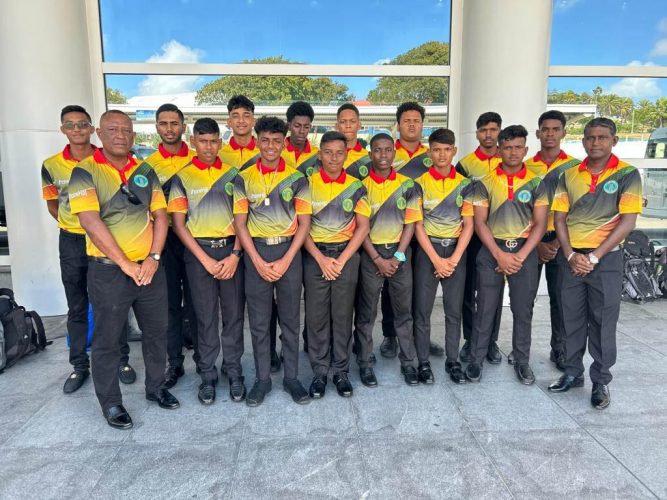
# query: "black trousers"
[[399, 287], [591, 305], [179, 300], [423, 298], [523, 289], [112, 294], [329, 306], [552, 269], [259, 295], [388, 329], [210, 297], [470, 292]]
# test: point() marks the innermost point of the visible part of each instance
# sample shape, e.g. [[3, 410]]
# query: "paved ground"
[[497, 439]]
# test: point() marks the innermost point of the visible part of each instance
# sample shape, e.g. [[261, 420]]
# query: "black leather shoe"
[[425, 373], [436, 350], [343, 385], [206, 394], [600, 397], [75, 381], [493, 354], [464, 355], [389, 347], [164, 399], [118, 418], [455, 372], [172, 376], [318, 387], [510, 359], [126, 374], [237, 391], [558, 359], [367, 376], [410, 375], [294, 388], [257, 393], [525, 374], [474, 372], [566, 382], [275, 362]]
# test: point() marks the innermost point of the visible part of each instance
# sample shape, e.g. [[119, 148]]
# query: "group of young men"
[[269, 216]]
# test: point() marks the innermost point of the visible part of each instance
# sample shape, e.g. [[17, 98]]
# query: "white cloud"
[[636, 88], [662, 25], [564, 5], [380, 62], [171, 52], [660, 48]]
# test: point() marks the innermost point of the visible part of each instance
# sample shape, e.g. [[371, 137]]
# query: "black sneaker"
[[294, 388], [206, 393], [237, 391], [257, 393], [75, 381], [126, 374], [474, 372]]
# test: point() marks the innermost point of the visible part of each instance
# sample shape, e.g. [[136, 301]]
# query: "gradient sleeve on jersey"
[[561, 201], [480, 196], [49, 189], [240, 198], [413, 211], [467, 193], [363, 207], [302, 199], [82, 192], [157, 196], [178, 201], [631, 198], [541, 195]]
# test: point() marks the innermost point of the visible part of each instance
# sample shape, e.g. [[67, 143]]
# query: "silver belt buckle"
[[445, 242], [511, 244], [218, 243], [273, 240]]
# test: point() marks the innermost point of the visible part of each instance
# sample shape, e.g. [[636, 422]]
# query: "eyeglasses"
[[131, 197], [80, 125]]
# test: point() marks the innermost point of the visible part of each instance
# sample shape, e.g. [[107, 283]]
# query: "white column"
[[45, 65], [504, 64]]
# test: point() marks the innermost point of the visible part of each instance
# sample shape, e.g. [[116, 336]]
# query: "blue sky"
[[615, 32]]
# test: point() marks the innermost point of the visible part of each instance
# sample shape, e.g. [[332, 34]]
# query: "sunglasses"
[[80, 125], [131, 197]]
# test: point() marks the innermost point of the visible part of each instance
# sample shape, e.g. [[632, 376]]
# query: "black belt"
[[549, 236], [220, 243], [331, 247], [387, 246], [585, 251], [74, 236], [273, 241], [443, 242], [512, 245], [107, 261]]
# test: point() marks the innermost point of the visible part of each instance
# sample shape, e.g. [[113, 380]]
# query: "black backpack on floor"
[[22, 331], [639, 268]]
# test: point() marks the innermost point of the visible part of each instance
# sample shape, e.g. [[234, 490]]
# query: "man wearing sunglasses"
[[122, 209]]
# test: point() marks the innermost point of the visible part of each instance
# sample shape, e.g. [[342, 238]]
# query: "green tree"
[[273, 89], [115, 96], [426, 90]]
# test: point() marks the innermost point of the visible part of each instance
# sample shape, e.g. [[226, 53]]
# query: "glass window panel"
[[306, 31]]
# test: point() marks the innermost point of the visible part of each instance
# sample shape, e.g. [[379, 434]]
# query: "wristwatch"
[[238, 253], [399, 256], [154, 256], [593, 259]]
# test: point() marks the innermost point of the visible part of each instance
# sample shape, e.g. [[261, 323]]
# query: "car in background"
[[142, 152]]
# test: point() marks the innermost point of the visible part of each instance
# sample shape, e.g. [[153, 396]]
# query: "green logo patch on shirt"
[[287, 194], [141, 180], [348, 205], [401, 203], [610, 187], [524, 196]]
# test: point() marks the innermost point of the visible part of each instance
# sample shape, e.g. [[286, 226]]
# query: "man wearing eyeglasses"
[[56, 172], [122, 209]]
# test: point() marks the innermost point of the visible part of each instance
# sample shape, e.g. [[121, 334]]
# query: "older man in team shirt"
[[339, 225], [272, 220], [299, 153], [475, 166], [549, 163], [443, 235], [241, 151], [511, 205], [357, 163], [596, 206], [172, 155], [200, 203], [394, 203], [122, 208]]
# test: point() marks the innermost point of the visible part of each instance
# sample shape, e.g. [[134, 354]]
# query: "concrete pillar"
[[505, 47], [45, 65]]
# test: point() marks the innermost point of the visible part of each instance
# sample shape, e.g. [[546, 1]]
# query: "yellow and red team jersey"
[[335, 203], [445, 200], [205, 193], [56, 174], [550, 175], [477, 164], [412, 164], [95, 187], [166, 165], [239, 156], [272, 199], [594, 203], [358, 162], [305, 161], [394, 202], [510, 200]]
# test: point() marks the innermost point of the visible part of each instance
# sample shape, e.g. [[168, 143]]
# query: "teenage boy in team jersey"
[[338, 227], [357, 163], [443, 235], [510, 206], [241, 151], [299, 153], [272, 220], [200, 204]]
